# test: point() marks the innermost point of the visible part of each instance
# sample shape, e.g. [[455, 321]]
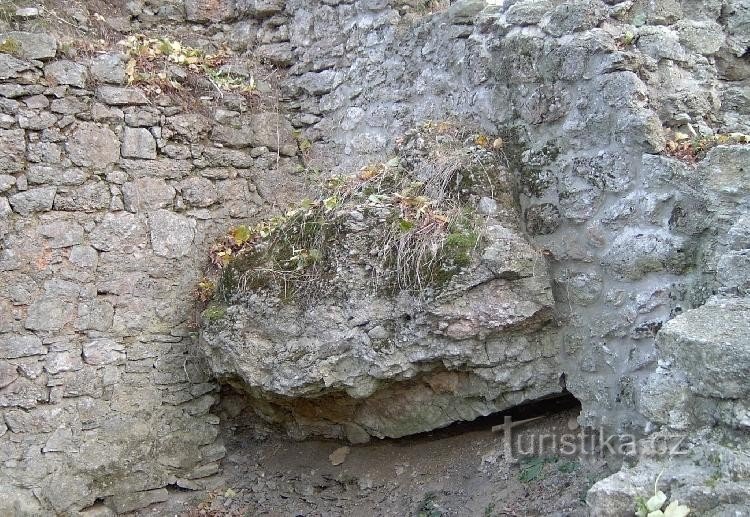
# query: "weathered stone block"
[[12, 150], [198, 192], [108, 68], [86, 198], [62, 234], [93, 146], [33, 200], [118, 231], [138, 143], [33, 45], [147, 194], [66, 73], [172, 234], [49, 314], [20, 346], [116, 96], [711, 345], [103, 351]]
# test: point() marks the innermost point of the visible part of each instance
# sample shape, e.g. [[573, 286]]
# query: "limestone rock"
[[117, 96], [66, 72], [118, 231], [49, 314], [171, 234], [33, 45], [138, 142], [147, 194], [108, 68], [33, 200], [358, 361], [198, 192], [711, 344], [12, 149], [61, 234], [20, 346], [93, 146], [103, 351], [272, 130]]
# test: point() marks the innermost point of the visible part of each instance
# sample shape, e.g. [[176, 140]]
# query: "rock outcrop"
[[698, 396], [371, 356]]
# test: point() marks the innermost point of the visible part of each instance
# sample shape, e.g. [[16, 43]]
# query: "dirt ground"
[[458, 471]]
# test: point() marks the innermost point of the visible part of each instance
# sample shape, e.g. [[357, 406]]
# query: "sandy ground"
[[458, 471]]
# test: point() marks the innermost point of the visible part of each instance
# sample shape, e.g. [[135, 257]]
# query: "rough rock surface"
[[584, 118], [357, 361]]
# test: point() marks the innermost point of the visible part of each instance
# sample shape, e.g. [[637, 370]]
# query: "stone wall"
[[109, 200], [586, 95]]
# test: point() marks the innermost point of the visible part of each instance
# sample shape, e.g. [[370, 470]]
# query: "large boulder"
[[391, 306]]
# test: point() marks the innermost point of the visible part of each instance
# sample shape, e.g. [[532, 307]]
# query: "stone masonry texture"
[[111, 198]]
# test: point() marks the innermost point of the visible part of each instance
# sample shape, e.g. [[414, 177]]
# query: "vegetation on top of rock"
[[693, 149], [162, 65], [409, 224]]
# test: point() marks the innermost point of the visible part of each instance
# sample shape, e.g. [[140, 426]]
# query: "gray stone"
[[66, 72], [44, 152], [738, 234], [734, 272], [27, 12], [49, 314], [137, 117], [138, 143], [542, 219], [5, 209], [12, 150], [117, 96], [133, 501], [8, 374], [35, 120], [580, 287], [108, 68], [198, 192], [55, 175], [89, 197], [528, 12], [278, 54], [62, 234], [711, 344], [84, 257], [704, 37], [118, 232], [93, 146], [636, 252], [201, 11], [574, 16], [6, 182], [261, 8], [271, 130], [20, 346], [10, 67], [103, 351], [57, 362], [33, 200], [95, 315], [147, 194], [33, 45], [579, 200], [233, 136], [172, 234]]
